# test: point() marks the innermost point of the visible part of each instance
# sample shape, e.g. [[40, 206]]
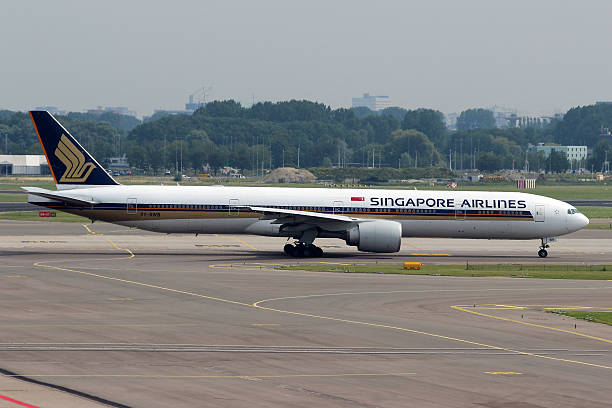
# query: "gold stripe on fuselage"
[[142, 214]]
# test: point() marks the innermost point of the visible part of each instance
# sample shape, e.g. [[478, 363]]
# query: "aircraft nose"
[[584, 221], [576, 222]]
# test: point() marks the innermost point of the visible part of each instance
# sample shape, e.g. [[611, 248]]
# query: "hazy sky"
[[534, 55]]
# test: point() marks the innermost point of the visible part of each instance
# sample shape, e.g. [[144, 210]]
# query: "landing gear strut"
[[543, 253], [301, 250]]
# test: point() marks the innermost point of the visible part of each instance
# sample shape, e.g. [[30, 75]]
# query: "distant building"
[[510, 118], [194, 105], [118, 163], [529, 121], [374, 103], [23, 164], [573, 153], [54, 110], [502, 116], [197, 99], [171, 111], [451, 120], [603, 103], [120, 110]]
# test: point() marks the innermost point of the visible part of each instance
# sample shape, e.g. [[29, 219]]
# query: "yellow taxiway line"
[[259, 305], [466, 308]]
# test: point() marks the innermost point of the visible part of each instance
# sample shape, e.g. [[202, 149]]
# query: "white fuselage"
[[421, 213]]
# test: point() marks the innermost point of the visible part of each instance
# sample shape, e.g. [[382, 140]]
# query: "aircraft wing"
[[57, 196], [284, 216]]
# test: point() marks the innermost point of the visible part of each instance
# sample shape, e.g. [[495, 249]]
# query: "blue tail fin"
[[71, 165]]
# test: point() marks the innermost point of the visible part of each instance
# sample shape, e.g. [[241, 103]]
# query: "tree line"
[[269, 135]]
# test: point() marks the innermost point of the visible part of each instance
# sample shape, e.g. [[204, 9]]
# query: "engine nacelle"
[[376, 236]]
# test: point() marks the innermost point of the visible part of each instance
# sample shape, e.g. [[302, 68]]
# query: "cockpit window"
[[573, 211]]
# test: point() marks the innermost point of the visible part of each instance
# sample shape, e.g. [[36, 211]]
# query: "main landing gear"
[[301, 250], [543, 253]]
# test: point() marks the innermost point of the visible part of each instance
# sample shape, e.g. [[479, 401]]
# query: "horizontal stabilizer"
[[64, 197]]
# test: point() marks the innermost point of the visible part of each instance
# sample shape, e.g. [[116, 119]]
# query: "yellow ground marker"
[[503, 373]]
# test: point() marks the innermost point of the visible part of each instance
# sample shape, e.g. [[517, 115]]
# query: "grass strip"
[[33, 216], [13, 198], [544, 271], [596, 212], [597, 317]]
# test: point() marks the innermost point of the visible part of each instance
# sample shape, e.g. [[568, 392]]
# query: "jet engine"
[[376, 236]]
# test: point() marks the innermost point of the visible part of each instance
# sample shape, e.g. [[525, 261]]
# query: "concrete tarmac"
[[120, 317]]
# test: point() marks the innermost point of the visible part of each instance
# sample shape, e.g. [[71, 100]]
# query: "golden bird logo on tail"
[[77, 170]]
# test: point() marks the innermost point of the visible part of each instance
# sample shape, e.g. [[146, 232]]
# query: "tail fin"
[[71, 165]]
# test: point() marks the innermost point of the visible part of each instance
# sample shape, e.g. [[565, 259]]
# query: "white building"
[[23, 164], [573, 153], [374, 103]]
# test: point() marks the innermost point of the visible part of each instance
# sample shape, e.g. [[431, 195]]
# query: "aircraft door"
[[540, 211], [132, 206], [234, 207], [338, 208]]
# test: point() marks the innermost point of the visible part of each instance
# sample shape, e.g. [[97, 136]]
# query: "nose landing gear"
[[543, 253]]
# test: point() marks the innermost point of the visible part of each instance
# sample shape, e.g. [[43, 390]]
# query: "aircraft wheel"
[[542, 253], [288, 248], [318, 252], [299, 251], [308, 251]]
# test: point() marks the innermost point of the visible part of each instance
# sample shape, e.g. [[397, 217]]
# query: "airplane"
[[373, 220]]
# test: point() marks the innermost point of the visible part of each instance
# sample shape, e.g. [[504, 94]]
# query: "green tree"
[[601, 152], [397, 112], [221, 109], [488, 161], [581, 125], [122, 123], [537, 161], [326, 162], [428, 121], [362, 111], [411, 147], [475, 119], [557, 162]]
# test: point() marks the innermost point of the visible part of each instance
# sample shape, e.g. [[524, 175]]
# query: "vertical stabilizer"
[[71, 165]]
